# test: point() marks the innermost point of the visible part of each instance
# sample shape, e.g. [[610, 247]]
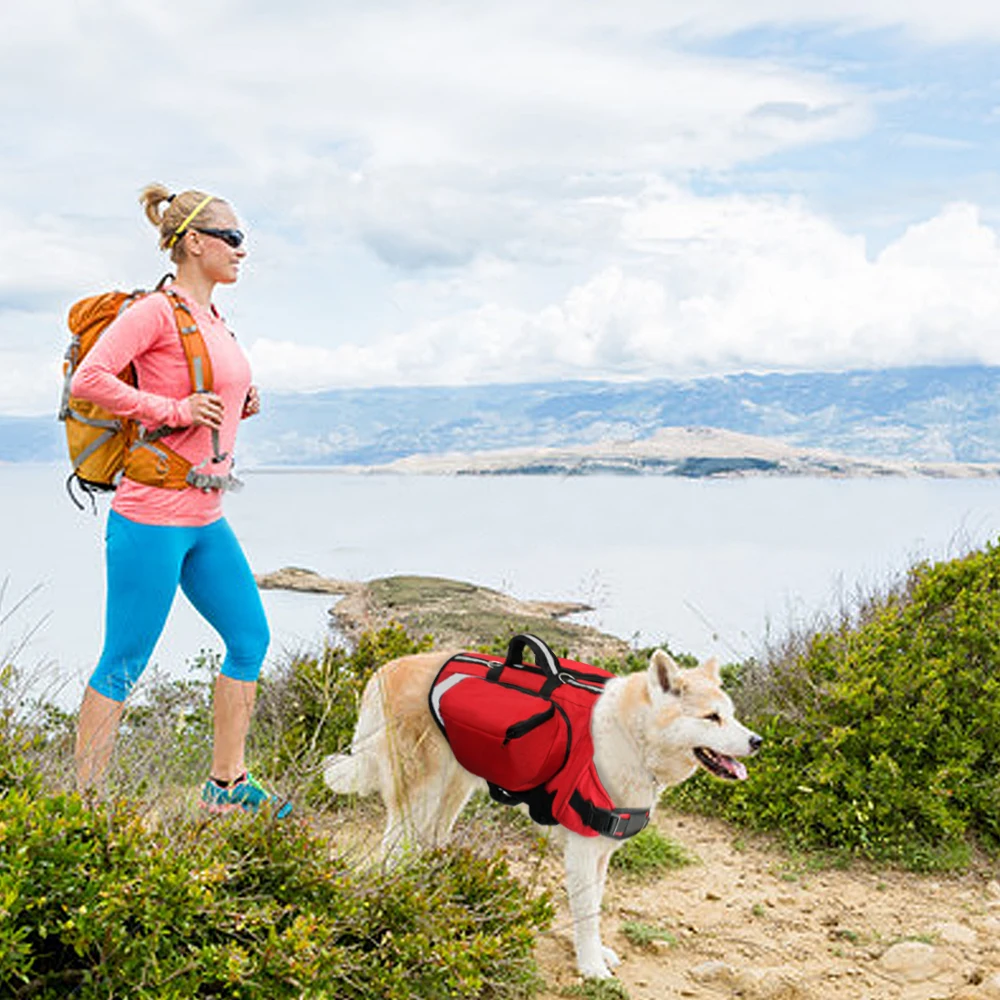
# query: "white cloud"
[[43, 253], [713, 284], [414, 85], [928, 21], [30, 382], [442, 193]]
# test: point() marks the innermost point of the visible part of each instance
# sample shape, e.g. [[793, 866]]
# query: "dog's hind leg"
[[586, 870], [422, 807], [440, 803]]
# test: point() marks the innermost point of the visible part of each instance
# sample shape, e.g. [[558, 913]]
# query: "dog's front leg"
[[586, 867]]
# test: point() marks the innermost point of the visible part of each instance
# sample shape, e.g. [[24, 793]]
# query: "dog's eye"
[[713, 717]]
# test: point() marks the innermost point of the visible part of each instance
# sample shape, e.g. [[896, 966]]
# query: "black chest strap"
[[619, 824]]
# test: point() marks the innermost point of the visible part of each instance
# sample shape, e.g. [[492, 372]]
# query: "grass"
[[650, 853], [598, 989], [642, 935]]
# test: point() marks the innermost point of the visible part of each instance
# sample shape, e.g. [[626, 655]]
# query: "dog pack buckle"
[[627, 824]]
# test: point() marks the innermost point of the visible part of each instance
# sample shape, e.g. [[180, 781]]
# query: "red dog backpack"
[[525, 728]]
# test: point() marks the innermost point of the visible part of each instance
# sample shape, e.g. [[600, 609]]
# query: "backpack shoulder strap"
[[199, 364], [195, 350]]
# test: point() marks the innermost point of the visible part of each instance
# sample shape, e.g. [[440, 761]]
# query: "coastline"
[[455, 612], [684, 452]]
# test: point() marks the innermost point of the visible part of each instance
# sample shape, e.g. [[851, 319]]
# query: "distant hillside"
[[691, 452], [911, 414], [925, 414]]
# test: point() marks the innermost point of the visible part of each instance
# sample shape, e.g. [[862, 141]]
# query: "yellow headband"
[[179, 231]]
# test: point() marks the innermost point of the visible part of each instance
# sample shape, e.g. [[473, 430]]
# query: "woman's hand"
[[251, 404], [206, 409]]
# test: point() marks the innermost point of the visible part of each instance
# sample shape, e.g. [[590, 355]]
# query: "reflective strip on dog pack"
[[526, 730], [439, 691]]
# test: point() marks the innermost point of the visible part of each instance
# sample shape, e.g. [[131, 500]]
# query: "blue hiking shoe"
[[245, 793]]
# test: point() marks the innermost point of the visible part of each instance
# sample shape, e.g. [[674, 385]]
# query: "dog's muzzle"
[[721, 765]]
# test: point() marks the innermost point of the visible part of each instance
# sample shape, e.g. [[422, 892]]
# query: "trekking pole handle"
[[545, 659]]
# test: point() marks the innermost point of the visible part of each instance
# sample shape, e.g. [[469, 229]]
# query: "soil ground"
[[748, 919]]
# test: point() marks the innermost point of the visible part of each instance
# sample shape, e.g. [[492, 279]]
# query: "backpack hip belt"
[[526, 730]]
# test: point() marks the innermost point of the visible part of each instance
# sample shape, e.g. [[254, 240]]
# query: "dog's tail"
[[357, 772], [347, 773]]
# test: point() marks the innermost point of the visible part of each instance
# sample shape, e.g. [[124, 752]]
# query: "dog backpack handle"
[[545, 659]]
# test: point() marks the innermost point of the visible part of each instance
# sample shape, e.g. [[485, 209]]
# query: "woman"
[[157, 537]]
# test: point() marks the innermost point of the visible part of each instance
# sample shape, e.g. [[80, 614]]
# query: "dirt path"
[[749, 921]]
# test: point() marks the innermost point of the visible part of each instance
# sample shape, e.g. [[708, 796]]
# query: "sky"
[[469, 193]]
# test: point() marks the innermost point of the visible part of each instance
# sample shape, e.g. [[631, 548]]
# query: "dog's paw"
[[611, 958], [597, 972], [594, 969]]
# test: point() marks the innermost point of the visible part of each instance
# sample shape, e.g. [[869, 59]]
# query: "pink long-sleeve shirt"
[[146, 335]]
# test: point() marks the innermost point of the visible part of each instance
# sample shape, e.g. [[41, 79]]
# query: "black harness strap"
[[619, 824]]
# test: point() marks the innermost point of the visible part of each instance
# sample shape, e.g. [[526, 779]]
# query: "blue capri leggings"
[[145, 563]]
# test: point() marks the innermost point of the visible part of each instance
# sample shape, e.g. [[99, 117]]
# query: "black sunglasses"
[[231, 237]]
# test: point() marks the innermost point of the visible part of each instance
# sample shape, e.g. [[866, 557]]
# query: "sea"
[[714, 567]]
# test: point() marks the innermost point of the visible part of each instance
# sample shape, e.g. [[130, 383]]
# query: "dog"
[[650, 729]]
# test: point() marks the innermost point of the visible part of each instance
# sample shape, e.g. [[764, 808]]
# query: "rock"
[[952, 933], [712, 972], [781, 982], [913, 962], [989, 989], [993, 889], [296, 578]]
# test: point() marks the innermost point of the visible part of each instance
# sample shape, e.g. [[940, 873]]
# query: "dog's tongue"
[[735, 767]]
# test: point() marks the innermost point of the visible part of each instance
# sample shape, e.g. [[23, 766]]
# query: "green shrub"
[[165, 738], [100, 900], [882, 729], [94, 903]]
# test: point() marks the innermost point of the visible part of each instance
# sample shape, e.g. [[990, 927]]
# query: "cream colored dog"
[[650, 730]]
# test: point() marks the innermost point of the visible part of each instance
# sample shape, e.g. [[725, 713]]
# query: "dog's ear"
[[664, 675], [712, 671]]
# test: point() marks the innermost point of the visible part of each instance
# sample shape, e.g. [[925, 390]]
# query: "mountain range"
[[925, 414]]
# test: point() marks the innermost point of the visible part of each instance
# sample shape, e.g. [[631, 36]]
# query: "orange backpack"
[[104, 447]]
